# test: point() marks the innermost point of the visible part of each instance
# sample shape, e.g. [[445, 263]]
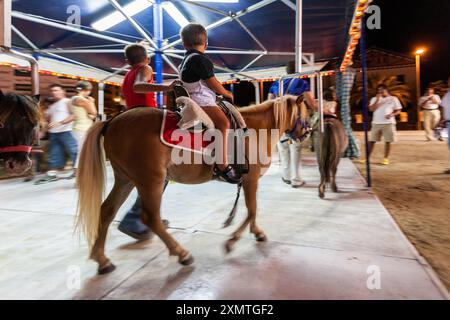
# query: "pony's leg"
[[322, 185], [117, 196], [250, 186], [334, 187], [151, 194]]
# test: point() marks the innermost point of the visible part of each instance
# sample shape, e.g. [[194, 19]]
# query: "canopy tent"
[[243, 34]]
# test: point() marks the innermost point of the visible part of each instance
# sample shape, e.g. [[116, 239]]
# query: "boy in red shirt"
[[139, 91]]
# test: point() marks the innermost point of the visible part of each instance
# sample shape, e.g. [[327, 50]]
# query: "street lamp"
[[419, 52]]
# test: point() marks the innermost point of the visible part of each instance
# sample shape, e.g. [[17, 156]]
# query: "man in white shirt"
[[384, 107], [61, 140], [446, 105], [431, 114]]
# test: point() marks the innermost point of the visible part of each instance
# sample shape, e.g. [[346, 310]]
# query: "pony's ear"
[[36, 98]]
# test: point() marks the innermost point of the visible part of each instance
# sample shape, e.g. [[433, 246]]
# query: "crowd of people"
[[386, 107], [66, 121], [64, 125]]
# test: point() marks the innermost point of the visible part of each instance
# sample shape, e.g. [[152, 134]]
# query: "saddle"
[[188, 116]]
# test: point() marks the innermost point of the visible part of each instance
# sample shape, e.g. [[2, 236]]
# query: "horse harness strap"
[[16, 149], [291, 133]]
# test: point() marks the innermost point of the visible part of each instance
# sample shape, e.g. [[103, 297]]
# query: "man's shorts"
[[387, 131]]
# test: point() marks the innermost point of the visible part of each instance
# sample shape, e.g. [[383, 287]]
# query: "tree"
[[396, 88]]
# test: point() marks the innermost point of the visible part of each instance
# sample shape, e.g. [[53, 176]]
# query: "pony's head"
[[19, 120], [292, 116]]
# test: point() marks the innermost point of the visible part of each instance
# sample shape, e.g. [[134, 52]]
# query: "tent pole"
[[320, 98], [298, 36], [362, 46], [101, 101], [257, 92], [158, 35]]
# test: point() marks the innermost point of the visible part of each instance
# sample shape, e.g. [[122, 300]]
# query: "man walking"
[[61, 140], [384, 107], [290, 153], [431, 114], [446, 105]]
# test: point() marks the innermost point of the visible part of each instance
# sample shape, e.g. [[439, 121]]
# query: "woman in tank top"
[[84, 110]]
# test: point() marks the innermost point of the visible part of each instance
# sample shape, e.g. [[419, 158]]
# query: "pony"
[[329, 146], [144, 162], [19, 120]]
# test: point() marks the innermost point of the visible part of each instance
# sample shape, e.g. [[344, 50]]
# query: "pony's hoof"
[[106, 269], [187, 260], [321, 195], [334, 189], [261, 237], [229, 246]]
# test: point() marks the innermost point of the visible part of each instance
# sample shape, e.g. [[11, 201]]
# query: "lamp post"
[[419, 52]]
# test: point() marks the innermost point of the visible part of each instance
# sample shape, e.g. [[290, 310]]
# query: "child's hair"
[[135, 53], [84, 85], [193, 34]]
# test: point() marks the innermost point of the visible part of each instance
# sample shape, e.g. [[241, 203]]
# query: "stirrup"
[[225, 175]]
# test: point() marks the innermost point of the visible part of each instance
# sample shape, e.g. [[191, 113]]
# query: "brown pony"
[[330, 145], [139, 159], [19, 119]]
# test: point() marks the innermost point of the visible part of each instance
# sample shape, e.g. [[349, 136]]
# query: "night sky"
[[407, 25]]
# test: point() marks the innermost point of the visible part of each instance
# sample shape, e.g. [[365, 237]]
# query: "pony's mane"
[[11, 103], [279, 107]]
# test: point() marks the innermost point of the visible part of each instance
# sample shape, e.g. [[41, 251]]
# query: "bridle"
[[22, 148], [16, 149], [291, 134]]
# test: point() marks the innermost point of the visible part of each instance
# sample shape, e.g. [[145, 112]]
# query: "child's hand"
[[230, 97]]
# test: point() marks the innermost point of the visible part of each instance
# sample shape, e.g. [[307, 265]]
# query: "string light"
[[57, 74], [355, 33]]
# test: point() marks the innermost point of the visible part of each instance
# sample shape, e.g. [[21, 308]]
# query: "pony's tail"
[[91, 183], [326, 152]]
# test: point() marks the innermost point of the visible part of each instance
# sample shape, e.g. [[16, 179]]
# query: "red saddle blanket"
[[173, 136]]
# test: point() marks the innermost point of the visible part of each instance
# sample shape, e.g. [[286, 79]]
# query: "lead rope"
[[232, 214]]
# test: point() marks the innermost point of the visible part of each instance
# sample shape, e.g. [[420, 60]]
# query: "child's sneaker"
[[385, 161]]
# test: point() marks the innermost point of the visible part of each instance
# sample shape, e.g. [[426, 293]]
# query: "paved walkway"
[[343, 247]]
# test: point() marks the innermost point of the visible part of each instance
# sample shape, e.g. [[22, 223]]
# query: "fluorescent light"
[[216, 1], [175, 13], [117, 17]]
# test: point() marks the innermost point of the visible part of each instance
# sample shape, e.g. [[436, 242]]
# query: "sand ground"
[[417, 193]]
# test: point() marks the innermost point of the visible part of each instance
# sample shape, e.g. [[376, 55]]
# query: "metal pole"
[[312, 85], [419, 124], [101, 101], [227, 19], [158, 35], [27, 17], [5, 23], [320, 96], [298, 36], [101, 92], [34, 67], [130, 19], [257, 92], [362, 46]]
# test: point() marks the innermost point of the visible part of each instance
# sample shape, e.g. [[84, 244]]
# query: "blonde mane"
[[285, 110]]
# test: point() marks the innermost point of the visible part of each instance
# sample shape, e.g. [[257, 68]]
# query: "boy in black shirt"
[[197, 75]]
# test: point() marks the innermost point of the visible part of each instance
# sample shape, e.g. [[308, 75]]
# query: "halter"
[[14, 149], [21, 148], [291, 133]]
